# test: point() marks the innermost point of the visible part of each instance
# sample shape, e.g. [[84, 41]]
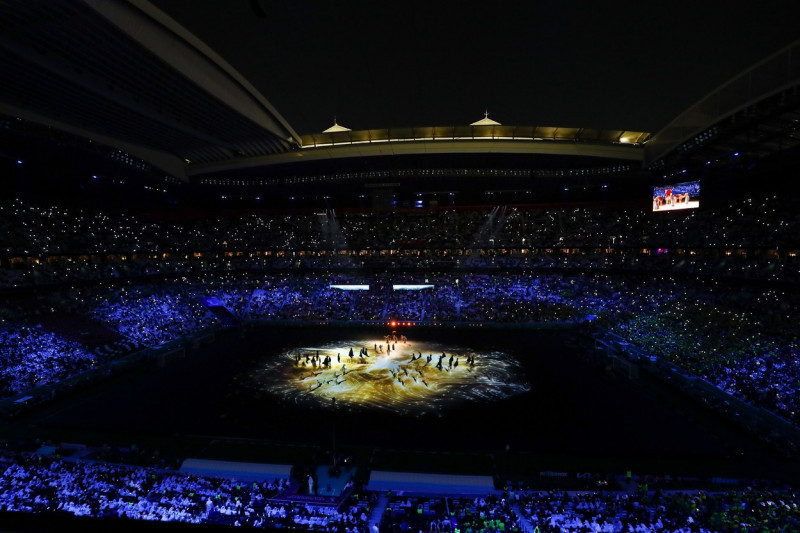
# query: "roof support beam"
[[169, 163], [184, 52], [100, 88]]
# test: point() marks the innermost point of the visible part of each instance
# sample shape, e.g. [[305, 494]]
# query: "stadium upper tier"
[[753, 239]]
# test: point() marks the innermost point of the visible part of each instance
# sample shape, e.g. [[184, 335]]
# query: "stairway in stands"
[[524, 523], [377, 513]]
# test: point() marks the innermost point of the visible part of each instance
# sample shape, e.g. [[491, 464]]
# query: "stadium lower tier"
[[501, 441], [739, 338]]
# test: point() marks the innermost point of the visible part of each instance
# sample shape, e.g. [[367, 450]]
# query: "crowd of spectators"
[[708, 263], [489, 513], [152, 318], [44, 483], [31, 357], [678, 512], [144, 281], [743, 340], [755, 238]]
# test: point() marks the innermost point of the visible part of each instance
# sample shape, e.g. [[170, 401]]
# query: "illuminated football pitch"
[[254, 387], [402, 376]]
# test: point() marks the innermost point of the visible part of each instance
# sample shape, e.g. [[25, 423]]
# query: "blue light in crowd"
[[19, 161], [94, 176], [735, 154], [211, 301]]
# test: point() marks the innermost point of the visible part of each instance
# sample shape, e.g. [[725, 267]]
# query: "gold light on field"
[[389, 376]]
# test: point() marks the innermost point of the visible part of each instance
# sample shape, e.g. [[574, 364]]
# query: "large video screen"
[[678, 196]]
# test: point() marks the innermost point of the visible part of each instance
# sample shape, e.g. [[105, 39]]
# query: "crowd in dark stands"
[[31, 356], [49, 484], [489, 513], [742, 340], [32, 483], [751, 239], [151, 318], [677, 285], [678, 512]]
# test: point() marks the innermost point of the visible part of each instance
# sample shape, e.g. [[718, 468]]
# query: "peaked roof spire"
[[336, 127], [486, 121]]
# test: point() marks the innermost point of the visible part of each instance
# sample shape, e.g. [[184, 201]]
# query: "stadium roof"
[[336, 128], [499, 139], [189, 85], [125, 74], [485, 121], [755, 114]]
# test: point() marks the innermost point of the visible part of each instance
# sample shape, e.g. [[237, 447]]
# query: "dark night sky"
[[615, 65]]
